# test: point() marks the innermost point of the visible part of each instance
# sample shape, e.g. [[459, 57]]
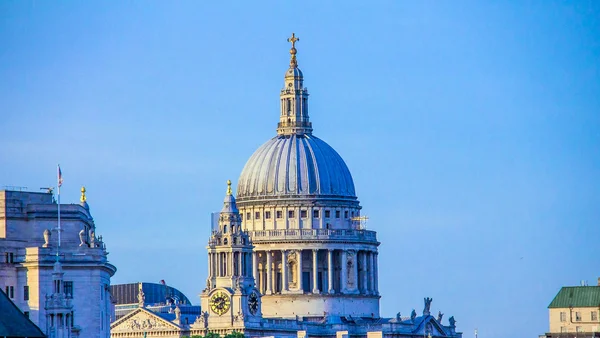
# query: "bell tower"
[[293, 117], [231, 299]]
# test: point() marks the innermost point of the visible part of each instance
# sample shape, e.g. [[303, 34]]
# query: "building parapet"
[[314, 234]]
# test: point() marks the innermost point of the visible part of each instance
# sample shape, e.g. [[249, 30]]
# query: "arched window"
[[225, 228], [225, 241]]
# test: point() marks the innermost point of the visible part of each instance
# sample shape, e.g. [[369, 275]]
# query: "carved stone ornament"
[[413, 315], [426, 308], [291, 258], [139, 322], [239, 317], [82, 237], [47, 235]]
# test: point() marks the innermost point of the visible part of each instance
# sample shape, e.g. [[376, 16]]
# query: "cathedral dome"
[[295, 166]]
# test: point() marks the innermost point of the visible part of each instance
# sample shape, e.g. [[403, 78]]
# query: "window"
[[69, 288], [594, 316], [26, 292], [248, 216], [346, 214], [72, 318], [563, 316], [577, 316], [327, 214], [337, 214], [12, 292], [26, 313], [279, 214], [11, 257], [257, 215], [316, 213], [290, 213], [303, 213], [267, 215]]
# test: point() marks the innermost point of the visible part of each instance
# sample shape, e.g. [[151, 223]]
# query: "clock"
[[219, 303], [253, 303]]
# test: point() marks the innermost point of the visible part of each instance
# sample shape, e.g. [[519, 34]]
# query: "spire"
[[229, 201], [293, 119]]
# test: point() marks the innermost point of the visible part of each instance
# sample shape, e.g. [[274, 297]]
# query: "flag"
[[60, 179]]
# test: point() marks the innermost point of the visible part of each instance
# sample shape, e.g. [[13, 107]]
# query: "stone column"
[[210, 265], [315, 269], [284, 272], [371, 273], [343, 272], [269, 273], [363, 260], [310, 217], [355, 271], [375, 273], [300, 286], [240, 264], [255, 267], [330, 271]]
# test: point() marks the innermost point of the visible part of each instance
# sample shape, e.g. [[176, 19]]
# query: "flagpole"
[[59, 181]]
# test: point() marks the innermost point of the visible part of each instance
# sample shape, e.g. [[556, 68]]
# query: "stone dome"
[[295, 166]]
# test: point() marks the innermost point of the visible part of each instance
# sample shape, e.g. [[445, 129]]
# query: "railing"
[[314, 234]]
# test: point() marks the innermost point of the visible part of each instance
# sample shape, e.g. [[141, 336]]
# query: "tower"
[[230, 298], [59, 310]]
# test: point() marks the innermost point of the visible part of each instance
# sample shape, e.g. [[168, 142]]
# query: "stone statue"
[[440, 315], [47, 235], [427, 301], [413, 315], [398, 317], [141, 298], [92, 238], [208, 284], [82, 237], [452, 321], [177, 313], [238, 283]]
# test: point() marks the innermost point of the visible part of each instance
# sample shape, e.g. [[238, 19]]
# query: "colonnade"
[[316, 271], [227, 264]]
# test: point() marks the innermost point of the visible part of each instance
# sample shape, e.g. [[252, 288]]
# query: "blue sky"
[[470, 128]]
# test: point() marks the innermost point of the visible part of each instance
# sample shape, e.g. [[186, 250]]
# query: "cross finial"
[[293, 39], [83, 198], [229, 188]]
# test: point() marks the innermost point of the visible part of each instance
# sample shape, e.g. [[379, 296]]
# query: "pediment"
[[430, 325], [142, 320]]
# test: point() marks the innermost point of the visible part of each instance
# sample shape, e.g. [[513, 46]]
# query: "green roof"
[[13, 323], [577, 296]]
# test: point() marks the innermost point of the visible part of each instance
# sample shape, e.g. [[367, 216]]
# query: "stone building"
[[574, 312], [65, 295], [288, 256]]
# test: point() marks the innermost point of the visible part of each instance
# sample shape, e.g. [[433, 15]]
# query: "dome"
[[295, 166], [293, 72]]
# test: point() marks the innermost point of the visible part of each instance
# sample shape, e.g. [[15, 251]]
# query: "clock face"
[[219, 303], [253, 303]]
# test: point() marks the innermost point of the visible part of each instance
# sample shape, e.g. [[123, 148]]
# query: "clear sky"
[[471, 129]]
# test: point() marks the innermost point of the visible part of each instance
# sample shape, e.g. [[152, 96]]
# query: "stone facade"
[[28, 244]]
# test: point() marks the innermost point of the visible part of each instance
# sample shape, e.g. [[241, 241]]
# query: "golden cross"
[[293, 40]]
